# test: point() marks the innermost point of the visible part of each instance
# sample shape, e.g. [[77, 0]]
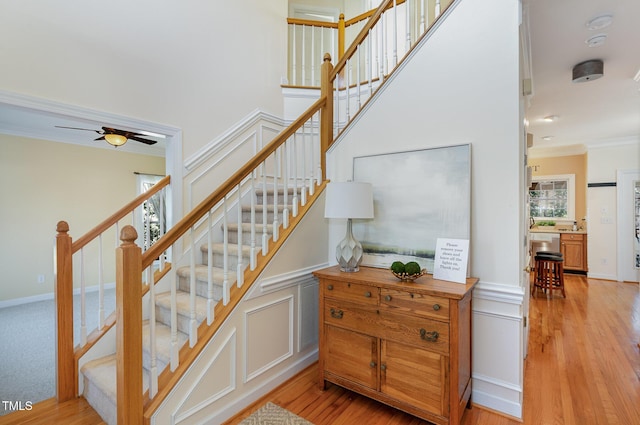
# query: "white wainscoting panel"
[[268, 336], [215, 380], [498, 337], [308, 314]]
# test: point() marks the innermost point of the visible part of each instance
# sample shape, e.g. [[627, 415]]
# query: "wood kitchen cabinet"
[[574, 250], [406, 344]]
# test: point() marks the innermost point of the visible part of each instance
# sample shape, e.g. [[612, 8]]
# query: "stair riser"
[[246, 237], [163, 315], [101, 403], [259, 196], [218, 260], [246, 216], [202, 287]]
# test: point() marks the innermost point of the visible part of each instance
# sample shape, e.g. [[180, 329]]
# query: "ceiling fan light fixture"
[[588, 70], [550, 118], [599, 22], [115, 139]]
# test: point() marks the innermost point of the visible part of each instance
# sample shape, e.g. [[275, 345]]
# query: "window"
[[552, 197]]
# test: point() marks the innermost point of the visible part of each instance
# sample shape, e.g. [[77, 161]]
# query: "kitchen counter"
[[557, 229]]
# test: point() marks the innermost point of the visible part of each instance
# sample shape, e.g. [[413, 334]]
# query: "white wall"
[[197, 66], [463, 87], [603, 162]]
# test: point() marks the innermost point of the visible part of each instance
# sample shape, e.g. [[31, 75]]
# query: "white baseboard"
[[499, 396], [49, 296]]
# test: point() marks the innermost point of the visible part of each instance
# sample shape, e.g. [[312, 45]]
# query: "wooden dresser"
[[406, 344]]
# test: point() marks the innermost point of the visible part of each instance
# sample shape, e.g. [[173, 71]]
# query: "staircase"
[[275, 189], [99, 376]]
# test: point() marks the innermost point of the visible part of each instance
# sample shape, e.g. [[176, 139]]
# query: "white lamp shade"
[[349, 200]]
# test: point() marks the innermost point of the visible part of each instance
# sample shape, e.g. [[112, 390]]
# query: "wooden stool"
[[548, 273]]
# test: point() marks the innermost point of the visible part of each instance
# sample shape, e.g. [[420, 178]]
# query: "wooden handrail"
[[118, 215], [359, 38], [198, 212], [312, 23]]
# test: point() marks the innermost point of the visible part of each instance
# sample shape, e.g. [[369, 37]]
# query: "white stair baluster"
[[240, 268], [395, 33], [294, 70], [210, 300], [423, 17], [303, 170], [175, 358], [437, 9], [252, 196], [313, 56], [153, 369], [285, 178], [225, 250], [312, 159], [294, 167], [265, 236], [193, 325], [83, 302], [101, 312], [276, 223]]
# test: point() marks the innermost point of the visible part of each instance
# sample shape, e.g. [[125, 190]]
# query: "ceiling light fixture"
[[596, 40], [550, 118], [547, 138], [115, 139], [636, 78], [599, 22], [588, 70]]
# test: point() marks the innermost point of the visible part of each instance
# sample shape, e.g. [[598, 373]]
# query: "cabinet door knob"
[[431, 336], [387, 298], [372, 364], [383, 366], [336, 314], [367, 294], [330, 287], [436, 307]]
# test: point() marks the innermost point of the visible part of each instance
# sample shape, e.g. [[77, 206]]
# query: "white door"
[[628, 186]]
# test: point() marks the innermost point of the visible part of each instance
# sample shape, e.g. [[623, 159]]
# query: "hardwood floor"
[[583, 367]]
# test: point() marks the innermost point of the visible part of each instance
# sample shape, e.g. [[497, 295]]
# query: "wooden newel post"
[[129, 328], [326, 114], [66, 370]]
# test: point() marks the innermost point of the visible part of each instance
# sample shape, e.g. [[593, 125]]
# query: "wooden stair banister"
[[67, 355]]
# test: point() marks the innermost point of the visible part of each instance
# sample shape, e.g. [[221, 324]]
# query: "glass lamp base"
[[349, 252]]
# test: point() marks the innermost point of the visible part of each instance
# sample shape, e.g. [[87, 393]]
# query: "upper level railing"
[[397, 30]]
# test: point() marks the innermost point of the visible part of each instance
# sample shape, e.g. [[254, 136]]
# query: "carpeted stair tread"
[[218, 248], [183, 304], [202, 273], [163, 345], [246, 228]]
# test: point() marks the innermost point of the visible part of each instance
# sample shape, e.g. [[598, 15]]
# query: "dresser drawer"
[[360, 318], [347, 291], [428, 334], [418, 304]]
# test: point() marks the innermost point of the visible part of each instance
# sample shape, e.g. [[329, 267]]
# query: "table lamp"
[[349, 200]]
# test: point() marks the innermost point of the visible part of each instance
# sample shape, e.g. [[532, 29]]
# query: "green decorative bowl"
[[409, 277]]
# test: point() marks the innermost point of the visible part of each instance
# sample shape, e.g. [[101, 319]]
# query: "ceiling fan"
[[115, 137]]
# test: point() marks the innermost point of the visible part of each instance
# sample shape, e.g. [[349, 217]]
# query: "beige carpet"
[[272, 414]]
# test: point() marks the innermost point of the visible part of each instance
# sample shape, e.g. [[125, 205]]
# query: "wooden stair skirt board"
[[99, 376]]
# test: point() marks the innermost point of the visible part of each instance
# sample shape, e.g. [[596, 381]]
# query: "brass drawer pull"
[[367, 294], [387, 298], [436, 307], [330, 287], [429, 336], [337, 314]]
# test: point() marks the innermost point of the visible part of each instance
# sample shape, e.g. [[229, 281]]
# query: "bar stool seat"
[[548, 273]]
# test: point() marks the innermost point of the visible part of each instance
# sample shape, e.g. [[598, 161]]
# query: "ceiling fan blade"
[[141, 140], [99, 138], [76, 128]]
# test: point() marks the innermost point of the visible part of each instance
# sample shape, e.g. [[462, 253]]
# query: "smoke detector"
[[588, 70]]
